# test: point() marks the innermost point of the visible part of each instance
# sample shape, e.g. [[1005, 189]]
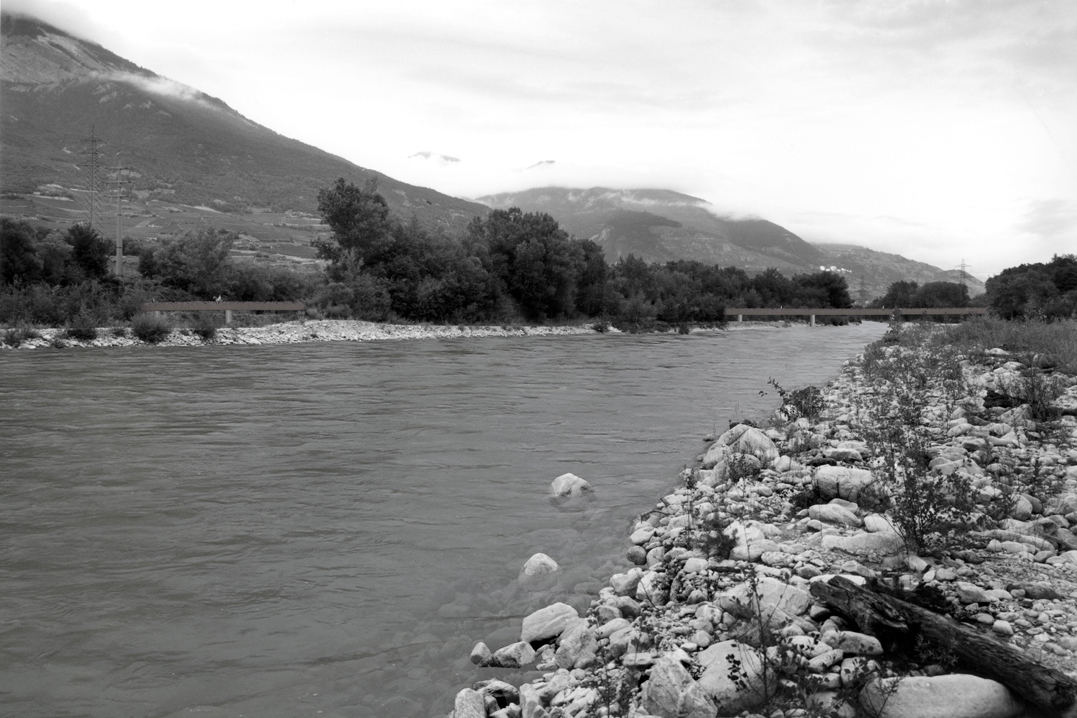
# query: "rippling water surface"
[[327, 529]]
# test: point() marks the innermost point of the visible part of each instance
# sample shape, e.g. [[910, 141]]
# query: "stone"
[[514, 655], [469, 703], [876, 523], [733, 689], [547, 623], [750, 541], [861, 544], [834, 514], [842, 482], [842, 454], [670, 692], [624, 584], [569, 486], [642, 535], [773, 595], [577, 648], [637, 555], [530, 701], [1022, 509], [853, 643], [948, 696], [480, 653], [694, 564], [538, 565], [742, 439], [971, 593], [500, 691], [651, 589], [637, 660]]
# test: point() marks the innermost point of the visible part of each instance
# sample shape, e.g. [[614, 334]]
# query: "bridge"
[[226, 307], [813, 312]]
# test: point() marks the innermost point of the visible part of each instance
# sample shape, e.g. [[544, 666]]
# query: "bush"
[[15, 336], [806, 402], [82, 327], [150, 328], [205, 326]]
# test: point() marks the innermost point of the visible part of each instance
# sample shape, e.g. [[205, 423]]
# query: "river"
[[327, 529]]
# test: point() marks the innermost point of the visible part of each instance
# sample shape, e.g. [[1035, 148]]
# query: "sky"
[[942, 131]]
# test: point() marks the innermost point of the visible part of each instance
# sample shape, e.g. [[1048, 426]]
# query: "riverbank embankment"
[[319, 330], [903, 543]]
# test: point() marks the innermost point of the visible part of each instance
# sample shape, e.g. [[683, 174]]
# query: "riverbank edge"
[[657, 625], [334, 330]]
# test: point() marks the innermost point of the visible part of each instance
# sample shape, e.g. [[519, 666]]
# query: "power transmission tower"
[[964, 273], [116, 184], [863, 292], [97, 185]]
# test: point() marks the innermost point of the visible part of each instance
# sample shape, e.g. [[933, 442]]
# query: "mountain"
[[182, 145], [662, 225], [881, 269]]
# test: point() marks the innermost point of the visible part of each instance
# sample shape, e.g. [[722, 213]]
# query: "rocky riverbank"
[[727, 603], [322, 330]]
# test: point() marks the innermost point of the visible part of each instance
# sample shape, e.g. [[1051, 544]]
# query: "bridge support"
[[740, 317], [813, 320], [227, 316]]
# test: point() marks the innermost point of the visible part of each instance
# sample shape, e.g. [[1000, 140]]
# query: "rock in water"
[[569, 486], [538, 568]]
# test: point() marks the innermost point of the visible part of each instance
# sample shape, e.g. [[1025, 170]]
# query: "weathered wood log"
[[1042, 686]]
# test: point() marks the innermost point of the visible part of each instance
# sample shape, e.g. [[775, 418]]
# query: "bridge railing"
[[813, 312], [226, 307]]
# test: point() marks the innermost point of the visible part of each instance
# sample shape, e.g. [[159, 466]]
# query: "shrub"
[[15, 336], [120, 332], [1037, 389], [205, 326], [150, 328], [806, 402], [82, 327]]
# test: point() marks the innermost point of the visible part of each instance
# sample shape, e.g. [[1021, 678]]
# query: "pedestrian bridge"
[[813, 312], [226, 307]]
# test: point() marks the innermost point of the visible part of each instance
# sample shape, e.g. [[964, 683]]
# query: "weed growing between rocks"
[[806, 402]]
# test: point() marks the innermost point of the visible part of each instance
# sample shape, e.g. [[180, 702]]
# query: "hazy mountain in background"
[[181, 144], [662, 225]]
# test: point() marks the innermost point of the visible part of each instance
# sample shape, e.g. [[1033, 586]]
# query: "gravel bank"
[[683, 633]]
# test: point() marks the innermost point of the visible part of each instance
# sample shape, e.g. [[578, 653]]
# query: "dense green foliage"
[[1036, 291], [509, 266], [931, 295]]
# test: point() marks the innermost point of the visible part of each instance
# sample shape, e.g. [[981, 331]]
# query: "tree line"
[[509, 266]]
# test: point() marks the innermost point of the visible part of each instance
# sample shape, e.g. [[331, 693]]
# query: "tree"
[[830, 287], [198, 263], [18, 260], [89, 250], [898, 294], [359, 218]]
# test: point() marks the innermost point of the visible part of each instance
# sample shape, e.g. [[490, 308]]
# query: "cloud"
[[69, 17], [158, 85], [1051, 219]]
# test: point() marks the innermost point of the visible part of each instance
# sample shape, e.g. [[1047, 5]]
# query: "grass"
[[1055, 342]]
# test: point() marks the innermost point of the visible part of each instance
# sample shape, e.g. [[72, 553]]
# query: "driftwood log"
[[1041, 686]]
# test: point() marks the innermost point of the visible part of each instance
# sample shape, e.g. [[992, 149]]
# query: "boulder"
[[862, 544], [853, 643], [480, 653], [537, 568], [772, 595], [670, 692], [569, 486], [514, 655], [949, 696], [577, 648], [733, 677], [842, 482], [547, 623], [469, 704], [834, 514], [741, 439]]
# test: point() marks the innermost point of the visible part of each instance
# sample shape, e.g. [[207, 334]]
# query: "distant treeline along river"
[[327, 529]]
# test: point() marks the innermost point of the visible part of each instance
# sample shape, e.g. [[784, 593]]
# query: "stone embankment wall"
[[714, 613]]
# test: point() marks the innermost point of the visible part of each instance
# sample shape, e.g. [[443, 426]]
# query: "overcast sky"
[[942, 131]]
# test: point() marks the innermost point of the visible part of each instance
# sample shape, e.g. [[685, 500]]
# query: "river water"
[[327, 529]]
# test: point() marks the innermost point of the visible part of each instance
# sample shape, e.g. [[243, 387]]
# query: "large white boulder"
[[950, 696], [670, 692], [569, 486], [547, 623], [733, 677], [741, 439], [538, 570]]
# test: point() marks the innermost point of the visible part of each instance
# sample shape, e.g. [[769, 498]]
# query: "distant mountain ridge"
[[660, 225], [180, 143]]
